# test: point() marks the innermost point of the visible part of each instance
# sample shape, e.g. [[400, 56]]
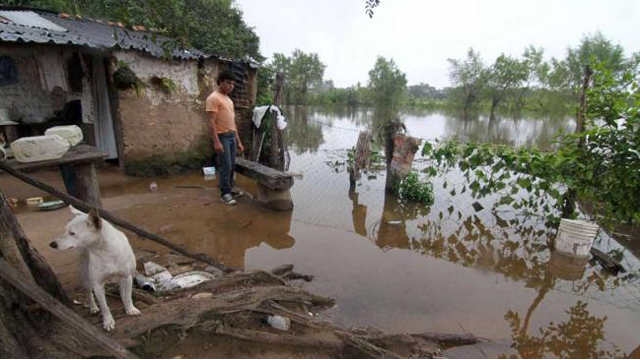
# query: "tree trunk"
[[16, 249]]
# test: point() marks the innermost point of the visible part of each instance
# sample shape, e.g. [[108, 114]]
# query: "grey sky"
[[420, 34]]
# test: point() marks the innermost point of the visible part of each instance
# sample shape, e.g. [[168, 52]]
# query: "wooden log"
[[35, 266], [9, 250], [62, 312], [87, 184], [266, 176], [81, 205]]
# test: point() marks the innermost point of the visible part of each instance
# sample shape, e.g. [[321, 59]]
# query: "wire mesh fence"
[[465, 225]]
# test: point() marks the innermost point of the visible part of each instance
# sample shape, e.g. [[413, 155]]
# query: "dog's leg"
[[84, 273], [93, 307], [125, 294], [107, 319]]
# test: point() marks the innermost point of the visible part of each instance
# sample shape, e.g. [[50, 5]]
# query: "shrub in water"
[[412, 189]]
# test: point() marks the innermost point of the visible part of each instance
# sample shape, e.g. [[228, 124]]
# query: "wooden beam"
[[266, 176], [66, 315]]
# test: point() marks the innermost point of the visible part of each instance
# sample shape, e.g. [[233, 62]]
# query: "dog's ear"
[[94, 218], [75, 211]]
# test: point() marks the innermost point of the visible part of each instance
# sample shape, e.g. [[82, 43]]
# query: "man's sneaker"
[[236, 193], [228, 199]]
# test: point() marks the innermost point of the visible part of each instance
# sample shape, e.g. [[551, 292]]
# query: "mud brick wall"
[[165, 131]]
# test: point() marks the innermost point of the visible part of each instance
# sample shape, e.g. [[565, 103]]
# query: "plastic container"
[[35, 201], [575, 238], [279, 322]]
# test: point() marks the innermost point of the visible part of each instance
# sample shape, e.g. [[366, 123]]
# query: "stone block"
[[39, 148], [71, 133]]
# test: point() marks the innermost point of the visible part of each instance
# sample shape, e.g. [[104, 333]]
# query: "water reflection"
[[185, 215], [581, 336], [358, 213], [303, 136], [306, 125]]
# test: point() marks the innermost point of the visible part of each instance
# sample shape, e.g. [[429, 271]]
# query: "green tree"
[[213, 26], [504, 77], [568, 73], [469, 76], [537, 73], [387, 83], [301, 72]]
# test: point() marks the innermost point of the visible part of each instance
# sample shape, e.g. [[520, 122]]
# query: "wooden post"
[[361, 156], [87, 183]]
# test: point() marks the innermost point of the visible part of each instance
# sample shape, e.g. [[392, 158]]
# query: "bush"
[[412, 189]]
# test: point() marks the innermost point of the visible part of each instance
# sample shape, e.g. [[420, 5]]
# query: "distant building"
[[139, 101]]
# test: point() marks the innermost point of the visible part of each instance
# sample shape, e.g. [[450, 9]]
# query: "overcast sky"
[[421, 34]]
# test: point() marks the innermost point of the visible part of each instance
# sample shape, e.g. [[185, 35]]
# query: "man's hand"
[[240, 147], [217, 147]]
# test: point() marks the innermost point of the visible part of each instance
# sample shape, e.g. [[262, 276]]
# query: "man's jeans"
[[226, 162]]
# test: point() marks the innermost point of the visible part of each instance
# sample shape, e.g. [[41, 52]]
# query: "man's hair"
[[225, 75]]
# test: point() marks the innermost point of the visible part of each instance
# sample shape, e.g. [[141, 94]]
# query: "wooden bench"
[[273, 185]]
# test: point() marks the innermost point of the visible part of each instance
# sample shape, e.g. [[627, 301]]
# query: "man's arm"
[[217, 145], [240, 146]]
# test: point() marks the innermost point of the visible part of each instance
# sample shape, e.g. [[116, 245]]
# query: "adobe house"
[[137, 100]]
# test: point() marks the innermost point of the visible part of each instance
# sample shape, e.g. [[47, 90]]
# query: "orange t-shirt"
[[223, 106]]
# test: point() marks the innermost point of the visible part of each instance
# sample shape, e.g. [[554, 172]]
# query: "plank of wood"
[[77, 154], [268, 177], [51, 304]]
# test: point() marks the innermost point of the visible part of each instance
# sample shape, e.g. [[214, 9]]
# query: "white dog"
[[105, 254]]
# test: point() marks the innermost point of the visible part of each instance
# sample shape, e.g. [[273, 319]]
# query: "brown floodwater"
[[468, 263]]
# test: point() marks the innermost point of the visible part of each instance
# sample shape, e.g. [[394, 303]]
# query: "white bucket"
[[575, 237]]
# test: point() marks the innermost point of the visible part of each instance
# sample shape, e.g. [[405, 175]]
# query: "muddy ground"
[[167, 211]]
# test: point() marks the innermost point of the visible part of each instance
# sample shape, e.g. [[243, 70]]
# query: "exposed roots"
[[237, 305]]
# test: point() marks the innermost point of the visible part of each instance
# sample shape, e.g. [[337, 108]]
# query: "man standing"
[[224, 132]]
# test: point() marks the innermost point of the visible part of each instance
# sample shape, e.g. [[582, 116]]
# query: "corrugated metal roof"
[[29, 18], [90, 33]]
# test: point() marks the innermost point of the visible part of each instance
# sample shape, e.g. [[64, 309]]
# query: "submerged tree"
[[387, 83], [505, 76], [301, 71], [470, 78]]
